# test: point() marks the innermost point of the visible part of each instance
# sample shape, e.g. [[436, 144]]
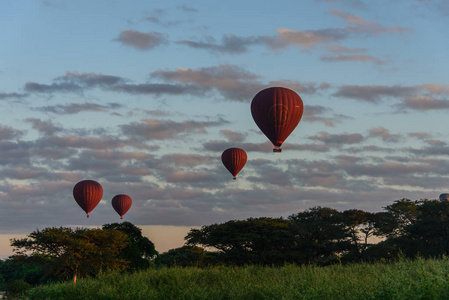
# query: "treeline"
[[321, 236], [318, 236]]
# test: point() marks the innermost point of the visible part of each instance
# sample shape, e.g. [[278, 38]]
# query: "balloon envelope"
[[87, 194], [277, 111], [444, 197], [234, 159], [121, 204]]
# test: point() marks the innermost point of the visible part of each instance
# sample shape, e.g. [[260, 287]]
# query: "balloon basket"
[[234, 178], [277, 149]]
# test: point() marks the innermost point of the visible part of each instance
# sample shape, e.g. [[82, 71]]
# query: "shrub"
[[17, 287]]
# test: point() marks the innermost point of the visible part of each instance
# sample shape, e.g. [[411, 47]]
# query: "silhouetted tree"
[[68, 253], [139, 250], [405, 212], [321, 235], [186, 256], [428, 235], [264, 241]]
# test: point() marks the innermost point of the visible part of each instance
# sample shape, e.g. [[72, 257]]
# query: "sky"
[[144, 96]]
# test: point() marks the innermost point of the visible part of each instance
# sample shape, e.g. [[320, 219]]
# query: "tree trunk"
[[74, 276]]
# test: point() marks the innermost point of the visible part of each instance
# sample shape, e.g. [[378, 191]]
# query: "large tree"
[[428, 235], [139, 249], [70, 252], [404, 212], [264, 241], [321, 235]]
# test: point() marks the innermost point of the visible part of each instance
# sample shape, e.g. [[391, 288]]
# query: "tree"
[[321, 235], [68, 253], [185, 256], [428, 235], [139, 250], [15, 269], [264, 241], [405, 212]]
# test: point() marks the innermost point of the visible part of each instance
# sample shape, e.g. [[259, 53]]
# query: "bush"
[[17, 287]]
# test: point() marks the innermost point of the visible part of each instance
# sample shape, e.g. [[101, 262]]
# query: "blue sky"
[[145, 96]]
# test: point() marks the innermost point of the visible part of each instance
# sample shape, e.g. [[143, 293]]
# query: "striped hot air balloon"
[[88, 194], [234, 159], [277, 111]]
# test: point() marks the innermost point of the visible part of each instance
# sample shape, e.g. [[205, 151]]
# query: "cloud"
[[88, 142], [353, 3], [14, 153], [341, 139], [187, 160], [21, 173], [141, 40], [436, 89], [74, 82], [384, 134], [46, 127], [221, 145], [188, 177], [373, 93], [266, 147], [187, 8], [357, 27], [351, 57], [310, 38], [233, 82], [8, 133], [423, 102], [159, 89], [420, 135], [232, 44], [320, 114], [420, 97], [6, 96], [75, 108], [233, 136], [161, 130], [305, 39]]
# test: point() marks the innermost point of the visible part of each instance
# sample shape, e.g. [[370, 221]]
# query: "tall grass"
[[418, 279]]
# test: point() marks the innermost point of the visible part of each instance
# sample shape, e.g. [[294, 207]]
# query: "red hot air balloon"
[[277, 111], [234, 159], [121, 204], [87, 194]]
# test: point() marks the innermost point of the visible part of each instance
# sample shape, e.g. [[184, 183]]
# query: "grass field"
[[418, 279]]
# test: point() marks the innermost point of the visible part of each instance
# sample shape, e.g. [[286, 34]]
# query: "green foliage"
[[404, 212], [186, 256], [139, 250], [30, 271], [17, 287], [67, 253], [405, 279], [264, 241], [321, 235]]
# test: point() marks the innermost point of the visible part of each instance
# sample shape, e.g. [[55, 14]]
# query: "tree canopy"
[[139, 249], [67, 252]]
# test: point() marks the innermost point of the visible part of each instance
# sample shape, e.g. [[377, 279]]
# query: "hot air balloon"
[[121, 204], [444, 197], [234, 159], [277, 111], [87, 194]]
